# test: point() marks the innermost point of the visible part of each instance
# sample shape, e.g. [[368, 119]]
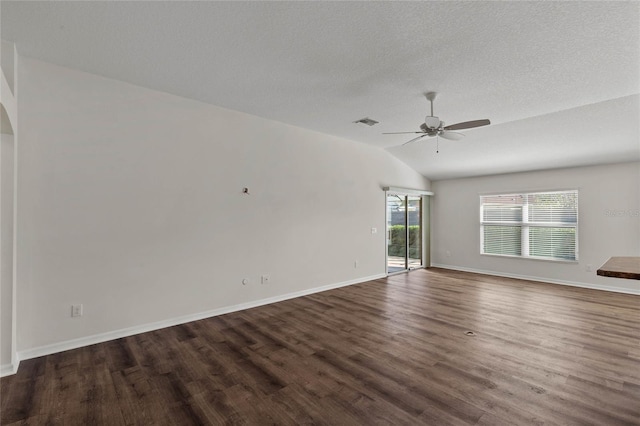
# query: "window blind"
[[540, 225]]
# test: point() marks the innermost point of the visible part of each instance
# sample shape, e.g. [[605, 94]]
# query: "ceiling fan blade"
[[452, 136], [400, 133], [467, 125], [415, 139]]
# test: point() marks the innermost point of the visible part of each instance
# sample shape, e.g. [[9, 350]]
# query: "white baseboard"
[[540, 279], [125, 332], [8, 369]]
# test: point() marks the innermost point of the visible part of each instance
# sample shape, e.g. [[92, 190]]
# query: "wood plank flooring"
[[390, 351]]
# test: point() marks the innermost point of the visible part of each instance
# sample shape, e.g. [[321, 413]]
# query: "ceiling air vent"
[[367, 122]]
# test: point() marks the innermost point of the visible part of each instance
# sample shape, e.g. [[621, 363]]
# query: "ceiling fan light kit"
[[432, 126], [432, 122]]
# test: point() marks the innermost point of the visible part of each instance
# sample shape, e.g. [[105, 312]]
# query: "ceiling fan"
[[432, 126]]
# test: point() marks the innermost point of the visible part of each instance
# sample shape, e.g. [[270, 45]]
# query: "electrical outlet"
[[374, 230], [76, 310], [266, 279]]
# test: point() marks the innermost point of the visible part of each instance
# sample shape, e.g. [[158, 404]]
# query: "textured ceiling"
[[559, 80]]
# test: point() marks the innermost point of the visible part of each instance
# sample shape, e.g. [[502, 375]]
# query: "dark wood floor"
[[391, 351]]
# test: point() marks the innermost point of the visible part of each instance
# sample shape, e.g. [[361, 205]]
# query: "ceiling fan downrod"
[[431, 96]]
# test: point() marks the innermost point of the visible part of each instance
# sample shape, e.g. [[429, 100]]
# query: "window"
[[539, 225]]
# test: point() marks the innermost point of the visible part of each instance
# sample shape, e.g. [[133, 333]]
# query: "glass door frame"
[[410, 260], [397, 240], [424, 222]]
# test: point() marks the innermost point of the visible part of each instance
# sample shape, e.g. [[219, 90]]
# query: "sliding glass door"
[[404, 232]]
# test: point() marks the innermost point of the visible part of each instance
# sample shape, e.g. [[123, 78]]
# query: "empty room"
[[332, 213]]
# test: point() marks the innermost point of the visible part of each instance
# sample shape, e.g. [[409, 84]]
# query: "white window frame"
[[525, 224]]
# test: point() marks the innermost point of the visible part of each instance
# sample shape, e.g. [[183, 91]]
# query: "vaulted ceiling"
[[560, 81]]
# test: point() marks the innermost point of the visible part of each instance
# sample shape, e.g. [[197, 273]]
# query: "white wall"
[[7, 63], [130, 202], [602, 190], [8, 140]]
